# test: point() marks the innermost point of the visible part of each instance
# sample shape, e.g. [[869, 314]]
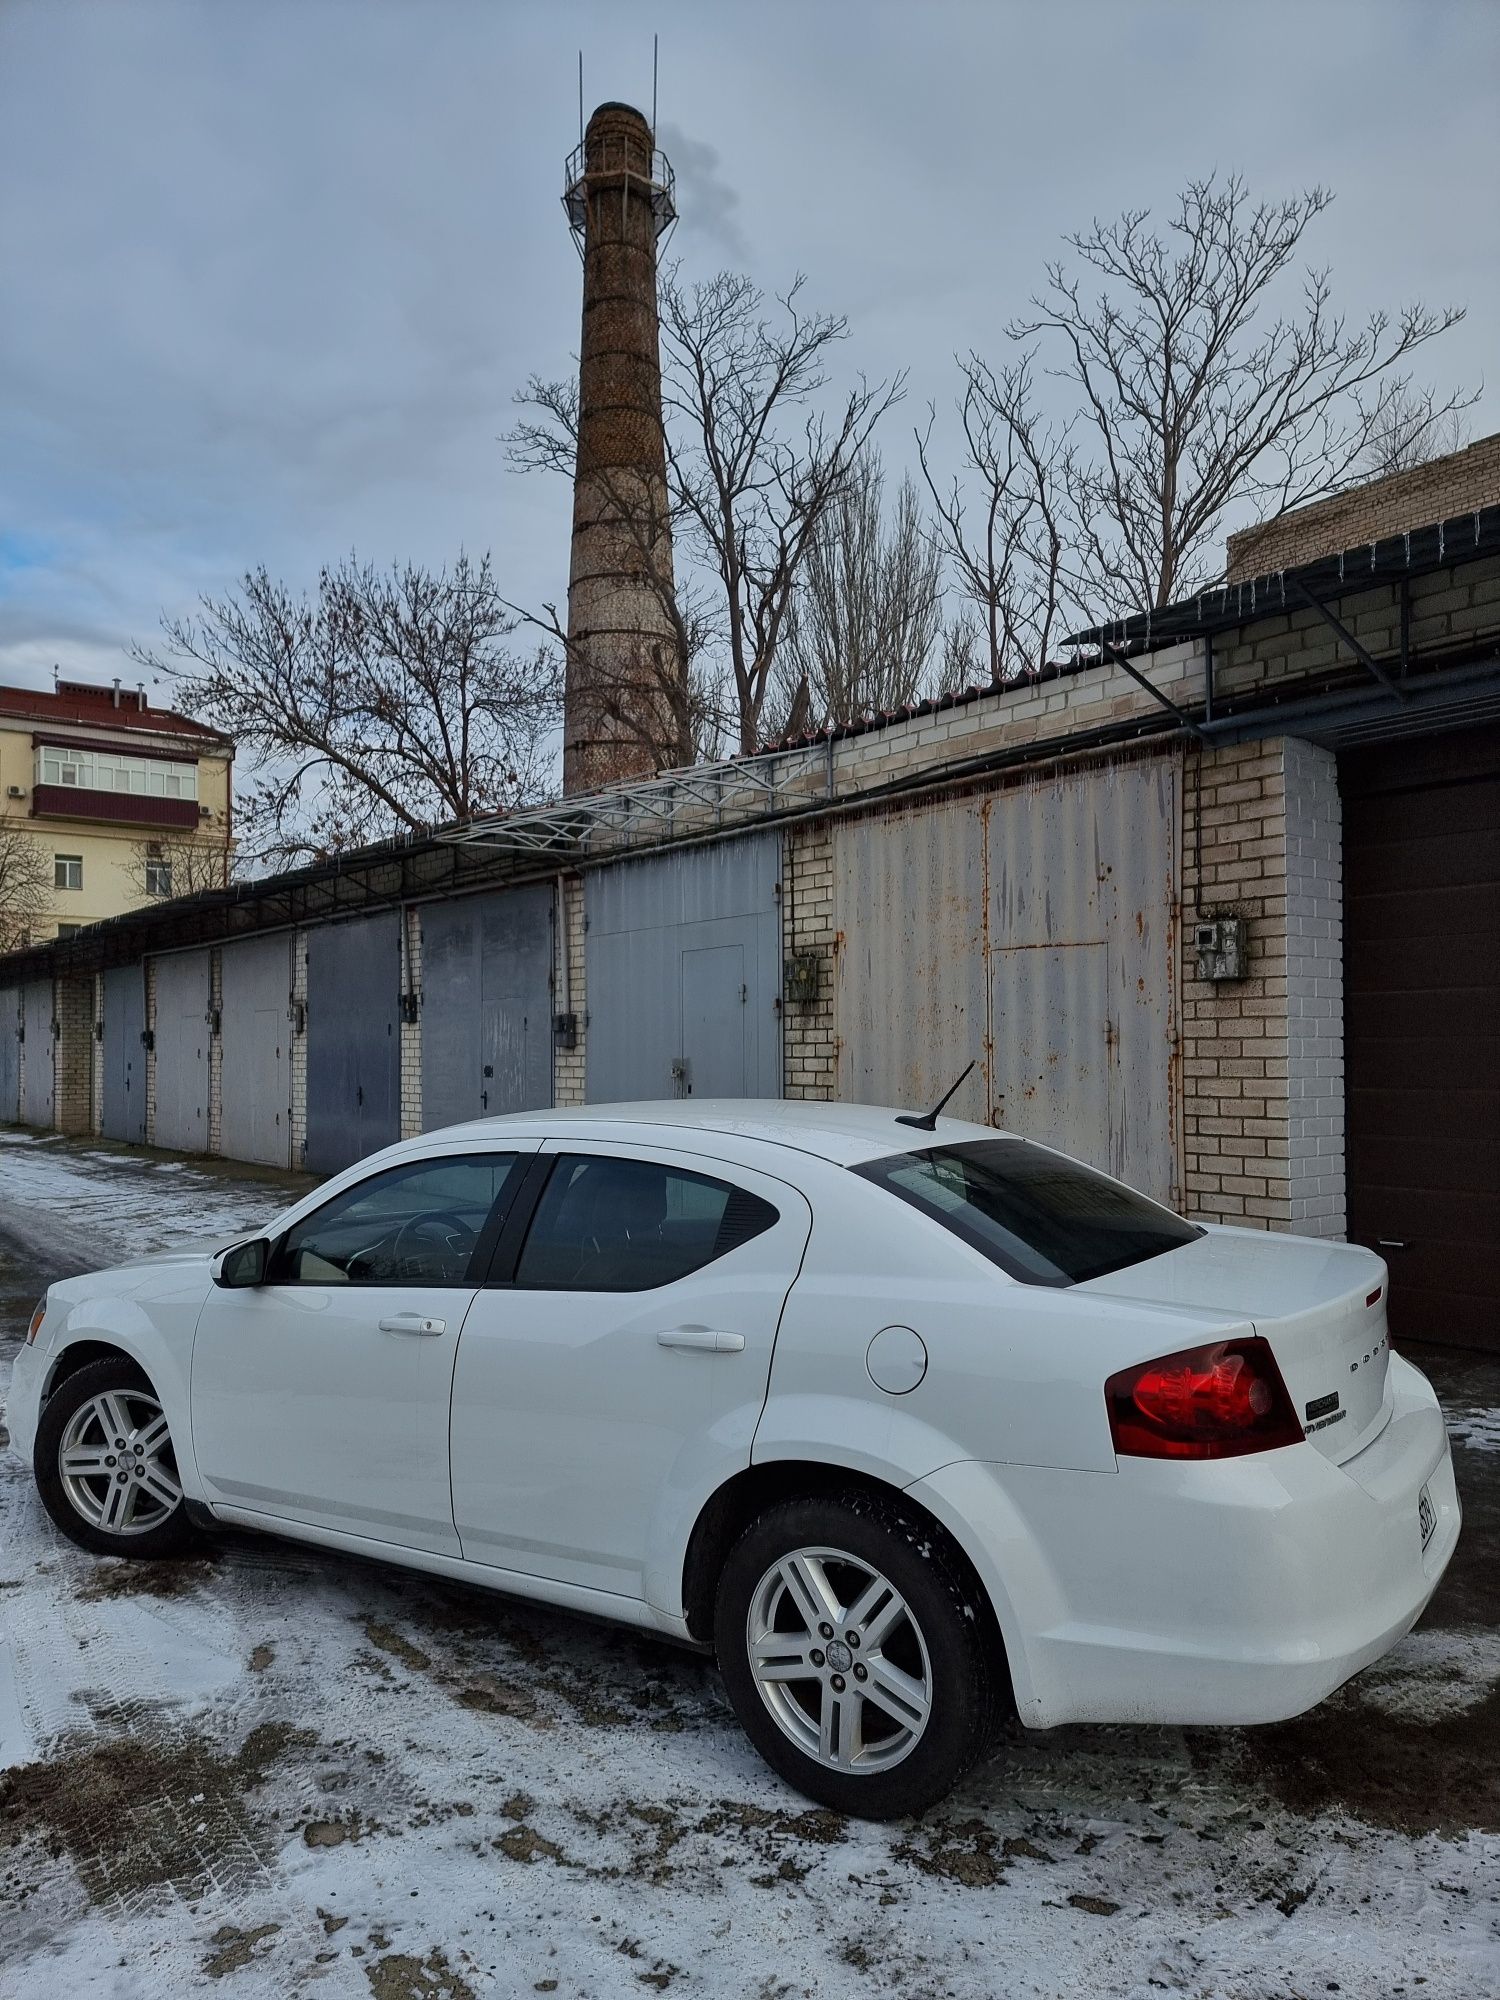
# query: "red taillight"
[[1208, 1402]]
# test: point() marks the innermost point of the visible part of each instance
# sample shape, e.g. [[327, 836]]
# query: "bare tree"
[[1418, 428], [867, 611], [1002, 521], [1196, 392], [166, 867], [25, 887], [963, 644], [388, 702], [754, 462]]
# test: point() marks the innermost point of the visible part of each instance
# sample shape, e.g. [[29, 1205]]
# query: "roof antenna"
[[926, 1121], [655, 39], [580, 97]]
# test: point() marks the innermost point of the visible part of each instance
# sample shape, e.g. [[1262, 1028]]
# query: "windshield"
[[1043, 1218]]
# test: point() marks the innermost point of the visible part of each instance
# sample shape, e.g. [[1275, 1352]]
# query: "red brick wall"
[[1437, 491]]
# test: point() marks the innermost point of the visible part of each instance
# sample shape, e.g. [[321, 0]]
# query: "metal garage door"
[[123, 1113], [36, 1022], [684, 974], [184, 991], [10, 1054], [353, 1040], [1422, 1027], [255, 1070], [486, 1005], [1030, 930]]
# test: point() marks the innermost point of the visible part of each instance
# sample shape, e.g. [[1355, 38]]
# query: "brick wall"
[[96, 1123], [1236, 1131], [216, 1052], [569, 1065], [411, 1031], [72, 1107], [150, 1051], [808, 1044], [1315, 989], [1455, 484], [297, 1050]]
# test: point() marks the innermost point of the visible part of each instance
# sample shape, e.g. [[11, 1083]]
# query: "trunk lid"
[[1310, 1301]]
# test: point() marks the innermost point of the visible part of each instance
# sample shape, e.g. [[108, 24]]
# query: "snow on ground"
[[91, 1208], [297, 1774], [1474, 1426]]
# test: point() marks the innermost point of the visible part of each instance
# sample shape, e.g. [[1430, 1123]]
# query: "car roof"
[[844, 1133]]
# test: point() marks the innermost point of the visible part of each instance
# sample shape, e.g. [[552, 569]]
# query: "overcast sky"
[[269, 274]]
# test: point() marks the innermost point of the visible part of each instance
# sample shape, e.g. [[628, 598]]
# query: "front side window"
[[629, 1225], [158, 878], [416, 1224], [67, 871], [1045, 1219]]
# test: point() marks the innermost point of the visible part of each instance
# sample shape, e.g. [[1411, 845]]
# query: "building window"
[[67, 871], [68, 930], [158, 878], [108, 771]]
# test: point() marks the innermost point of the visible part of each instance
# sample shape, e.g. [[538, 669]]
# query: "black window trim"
[[490, 1231], [511, 1238]]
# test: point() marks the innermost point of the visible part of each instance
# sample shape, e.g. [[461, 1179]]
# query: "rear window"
[[1044, 1219]]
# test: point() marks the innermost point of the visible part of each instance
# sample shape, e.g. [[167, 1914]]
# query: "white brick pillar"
[[1315, 989]]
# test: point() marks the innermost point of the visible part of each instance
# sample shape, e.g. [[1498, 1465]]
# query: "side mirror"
[[244, 1264]]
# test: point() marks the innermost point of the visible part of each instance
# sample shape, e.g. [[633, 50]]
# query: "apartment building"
[[120, 803]]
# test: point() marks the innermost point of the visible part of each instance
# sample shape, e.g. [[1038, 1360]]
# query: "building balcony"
[[112, 808]]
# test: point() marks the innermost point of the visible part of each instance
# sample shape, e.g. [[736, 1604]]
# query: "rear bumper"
[[1241, 1591]]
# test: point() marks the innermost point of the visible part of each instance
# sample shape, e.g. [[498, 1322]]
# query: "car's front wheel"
[[105, 1464], [854, 1654]]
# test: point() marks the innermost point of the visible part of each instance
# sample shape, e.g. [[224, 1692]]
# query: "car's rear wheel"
[[105, 1464], [852, 1649]]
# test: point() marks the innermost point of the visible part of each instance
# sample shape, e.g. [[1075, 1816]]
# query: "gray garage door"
[[256, 985], [10, 1054], [1030, 930], [486, 1006], [36, 1020], [353, 1041], [123, 1114], [183, 997], [684, 974]]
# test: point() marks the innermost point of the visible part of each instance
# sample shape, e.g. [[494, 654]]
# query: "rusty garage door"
[[1422, 1026], [486, 1005], [181, 1028], [353, 1040], [684, 974], [256, 1117], [1032, 929]]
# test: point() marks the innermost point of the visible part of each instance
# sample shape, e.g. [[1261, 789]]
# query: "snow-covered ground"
[[297, 1774]]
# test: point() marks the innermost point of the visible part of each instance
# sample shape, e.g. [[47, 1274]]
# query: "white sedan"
[[911, 1422]]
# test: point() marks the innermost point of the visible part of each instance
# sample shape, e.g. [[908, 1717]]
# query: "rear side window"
[[629, 1225], [1044, 1219]]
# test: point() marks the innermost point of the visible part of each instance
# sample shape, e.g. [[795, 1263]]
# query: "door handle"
[[413, 1323], [704, 1337]]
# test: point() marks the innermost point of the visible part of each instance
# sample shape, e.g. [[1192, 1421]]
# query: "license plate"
[[1426, 1516]]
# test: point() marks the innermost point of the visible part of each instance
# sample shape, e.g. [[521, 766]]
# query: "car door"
[[613, 1369], [321, 1396]]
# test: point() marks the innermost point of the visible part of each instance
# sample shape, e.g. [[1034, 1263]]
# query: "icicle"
[[1476, 527], [1341, 565], [1441, 526]]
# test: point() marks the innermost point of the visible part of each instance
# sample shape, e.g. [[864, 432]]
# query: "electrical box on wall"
[[1223, 948], [803, 977]]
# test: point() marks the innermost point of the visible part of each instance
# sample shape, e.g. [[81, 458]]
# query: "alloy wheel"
[[839, 1660], [116, 1463]]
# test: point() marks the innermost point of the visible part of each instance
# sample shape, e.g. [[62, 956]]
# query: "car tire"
[[881, 1719], [105, 1466]]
